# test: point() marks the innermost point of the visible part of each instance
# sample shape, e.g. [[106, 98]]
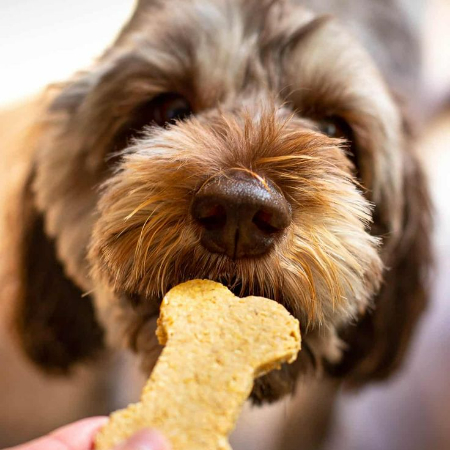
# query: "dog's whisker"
[[144, 225], [139, 208], [158, 224], [167, 254]]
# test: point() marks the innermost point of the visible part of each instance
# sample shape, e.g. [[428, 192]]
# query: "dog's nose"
[[240, 214]]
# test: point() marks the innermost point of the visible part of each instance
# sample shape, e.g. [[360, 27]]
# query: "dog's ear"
[[55, 322], [377, 343]]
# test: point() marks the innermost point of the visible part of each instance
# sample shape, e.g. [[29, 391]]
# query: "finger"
[[79, 435], [145, 440], [76, 436]]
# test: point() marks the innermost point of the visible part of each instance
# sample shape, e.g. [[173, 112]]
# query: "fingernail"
[[146, 440]]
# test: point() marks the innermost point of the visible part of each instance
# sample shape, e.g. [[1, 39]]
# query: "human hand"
[[80, 436]]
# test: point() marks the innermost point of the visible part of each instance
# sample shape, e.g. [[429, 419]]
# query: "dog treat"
[[215, 345]]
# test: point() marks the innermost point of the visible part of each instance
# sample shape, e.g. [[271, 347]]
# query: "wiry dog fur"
[[106, 210]]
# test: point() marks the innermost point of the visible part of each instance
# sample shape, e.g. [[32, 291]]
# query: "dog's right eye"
[[161, 110], [167, 108]]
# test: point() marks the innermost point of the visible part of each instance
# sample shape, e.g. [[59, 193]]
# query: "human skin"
[[80, 436]]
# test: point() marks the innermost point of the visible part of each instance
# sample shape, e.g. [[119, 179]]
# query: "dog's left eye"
[[336, 127]]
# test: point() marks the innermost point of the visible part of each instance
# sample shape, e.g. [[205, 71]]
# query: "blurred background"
[[43, 41]]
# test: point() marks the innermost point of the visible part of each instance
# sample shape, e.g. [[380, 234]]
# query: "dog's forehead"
[[218, 48], [212, 18], [220, 44]]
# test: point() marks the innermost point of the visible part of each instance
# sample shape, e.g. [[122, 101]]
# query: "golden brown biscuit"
[[216, 344]]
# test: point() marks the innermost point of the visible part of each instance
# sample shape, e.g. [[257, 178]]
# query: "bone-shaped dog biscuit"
[[215, 345]]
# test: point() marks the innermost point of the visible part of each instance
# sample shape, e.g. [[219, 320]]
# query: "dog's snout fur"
[[240, 214]]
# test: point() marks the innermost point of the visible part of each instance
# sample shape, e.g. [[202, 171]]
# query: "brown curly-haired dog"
[[253, 143]]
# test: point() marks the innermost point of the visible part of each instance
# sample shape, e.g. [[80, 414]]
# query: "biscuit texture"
[[215, 345]]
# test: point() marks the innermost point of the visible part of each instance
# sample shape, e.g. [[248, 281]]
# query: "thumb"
[[145, 440]]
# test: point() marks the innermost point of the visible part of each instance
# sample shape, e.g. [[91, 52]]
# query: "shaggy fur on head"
[[109, 192]]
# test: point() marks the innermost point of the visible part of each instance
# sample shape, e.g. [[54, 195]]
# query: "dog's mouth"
[[241, 289], [238, 288]]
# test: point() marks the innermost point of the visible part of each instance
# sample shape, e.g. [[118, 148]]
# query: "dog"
[[254, 143]]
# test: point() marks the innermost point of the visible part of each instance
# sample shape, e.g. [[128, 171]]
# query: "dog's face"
[[244, 142]]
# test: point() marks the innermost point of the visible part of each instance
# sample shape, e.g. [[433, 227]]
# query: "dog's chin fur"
[[260, 76]]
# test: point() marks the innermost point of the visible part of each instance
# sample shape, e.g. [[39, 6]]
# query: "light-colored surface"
[[215, 345], [436, 50]]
